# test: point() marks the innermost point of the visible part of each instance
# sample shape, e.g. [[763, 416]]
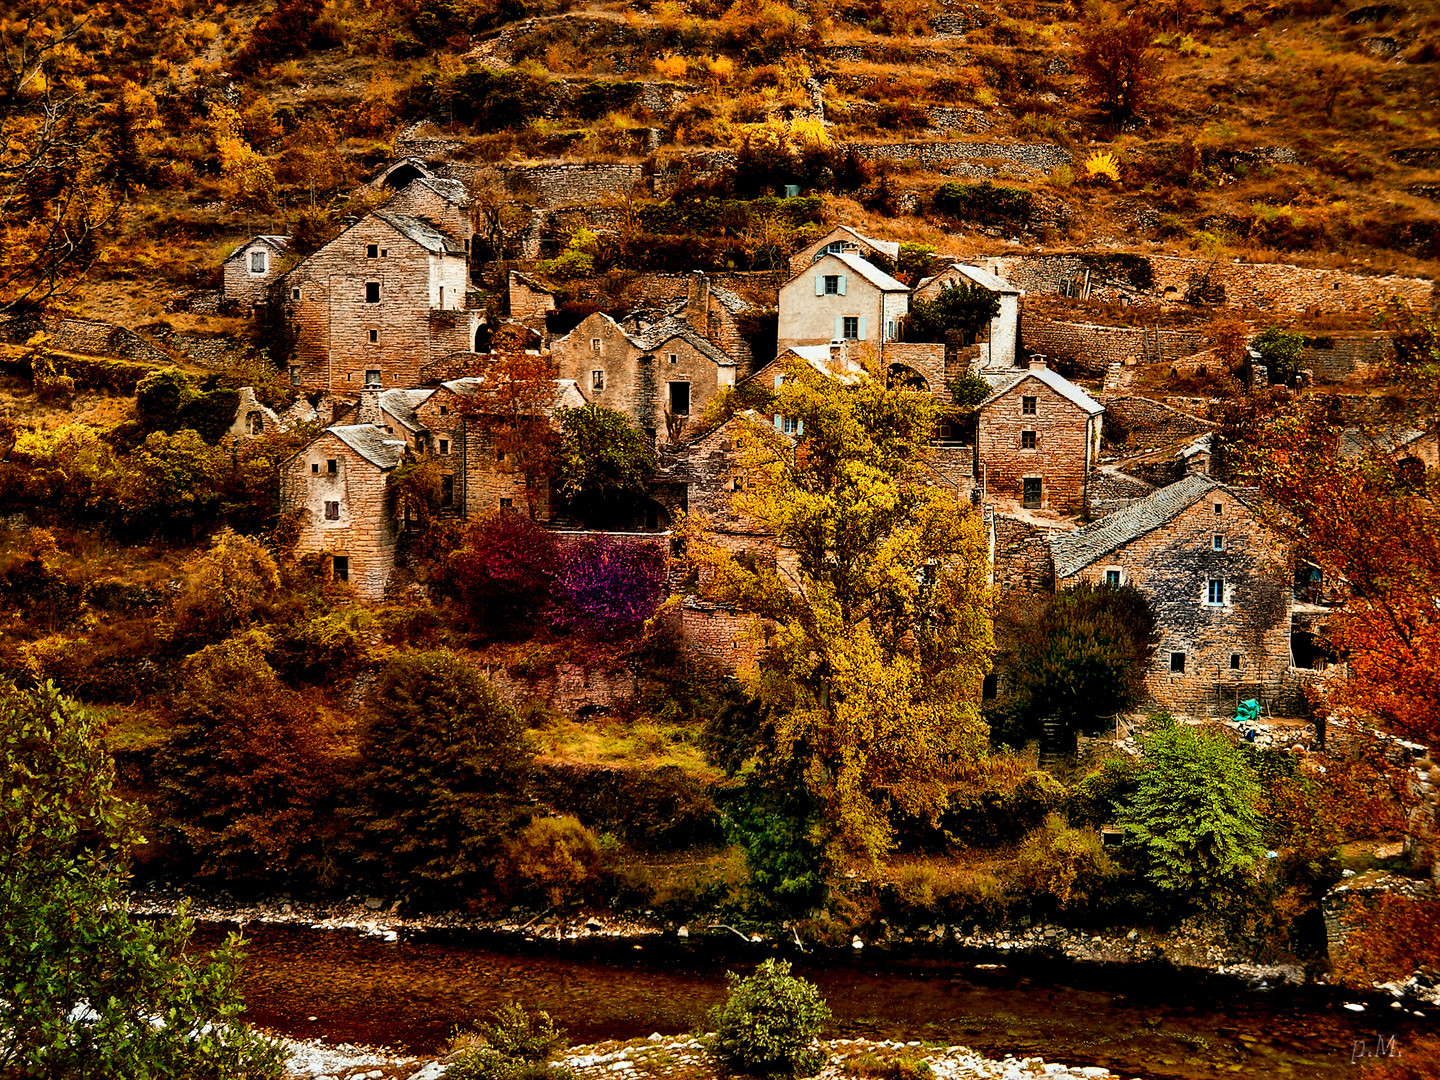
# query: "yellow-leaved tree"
[[876, 599]]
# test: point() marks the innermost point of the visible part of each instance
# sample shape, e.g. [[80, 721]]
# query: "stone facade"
[[1000, 335], [381, 300], [442, 204], [335, 490], [556, 183], [1092, 348], [866, 304], [1143, 424], [250, 270], [1215, 579], [663, 381], [843, 238], [527, 300]]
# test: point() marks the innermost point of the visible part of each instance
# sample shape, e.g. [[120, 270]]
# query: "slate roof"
[[1002, 382], [371, 443], [886, 247], [402, 404], [1073, 551], [986, 280], [732, 300], [280, 243], [426, 235], [865, 268], [449, 190], [669, 328], [1356, 442]]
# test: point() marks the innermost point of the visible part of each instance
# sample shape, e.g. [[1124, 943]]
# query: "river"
[[1140, 1020]]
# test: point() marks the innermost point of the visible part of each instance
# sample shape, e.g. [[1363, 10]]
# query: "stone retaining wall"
[[1092, 348], [557, 183], [1150, 424], [88, 337], [1032, 157]]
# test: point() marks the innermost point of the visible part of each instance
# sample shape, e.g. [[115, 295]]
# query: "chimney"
[[697, 307], [1036, 361], [368, 411]]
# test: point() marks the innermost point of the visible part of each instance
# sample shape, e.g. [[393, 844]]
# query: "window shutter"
[[842, 284], [839, 327], [819, 284], [799, 427], [779, 423], [862, 328]]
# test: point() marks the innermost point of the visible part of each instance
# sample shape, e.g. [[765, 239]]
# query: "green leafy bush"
[[956, 310], [768, 1024], [1062, 866], [516, 1046]]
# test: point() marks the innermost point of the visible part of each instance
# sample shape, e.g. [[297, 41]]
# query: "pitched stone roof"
[[424, 234], [1002, 382], [1073, 551], [402, 404], [567, 393], [1356, 442], [280, 243], [449, 190], [865, 268], [669, 328], [886, 247], [371, 443], [732, 300], [986, 280]]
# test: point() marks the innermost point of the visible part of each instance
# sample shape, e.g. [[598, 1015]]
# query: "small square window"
[[1215, 591], [445, 446], [332, 511], [1217, 543], [1177, 663], [597, 380], [341, 567], [315, 466], [1234, 661], [444, 410], [294, 376], [1219, 508], [384, 252], [374, 337], [674, 358], [1112, 577], [832, 284], [850, 327], [372, 251], [789, 425], [1027, 440], [595, 344], [332, 466], [1027, 406], [372, 377], [294, 294], [372, 292]]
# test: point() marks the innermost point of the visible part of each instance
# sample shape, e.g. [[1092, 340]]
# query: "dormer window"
[[259, 263]]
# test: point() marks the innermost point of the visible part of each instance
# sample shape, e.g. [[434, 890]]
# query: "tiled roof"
[[1073, 551], [371, 443], [402, 404], [1356, 442], [427, 236], [732, 300], [670, 328], [280, 243], [986, 280], [1002, 382], [866, 269]]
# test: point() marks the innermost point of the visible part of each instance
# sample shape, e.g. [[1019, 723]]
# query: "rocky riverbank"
[[683, 1057]]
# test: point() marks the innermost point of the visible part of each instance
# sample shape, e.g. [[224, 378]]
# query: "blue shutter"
[[819, 284], [861, 333], [839, 327], [842, 284]]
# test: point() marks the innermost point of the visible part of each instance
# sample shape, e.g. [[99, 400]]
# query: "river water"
[[1139, 1020]]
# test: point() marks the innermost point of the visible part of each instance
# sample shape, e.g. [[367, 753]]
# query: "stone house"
[[841, 297], [253, 418], [1413, 451], [442, 204], [250, 269], [335, 492], [1000, 336], [1037, 440], [843, 238], [376, 304], [1213, 575], [662, 378]]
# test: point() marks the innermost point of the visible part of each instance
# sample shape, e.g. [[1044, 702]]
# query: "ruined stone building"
[[334, 492], [250, 270], [1000, 336], [662, 378], [841, 297], [1216, 579], [378, 303]]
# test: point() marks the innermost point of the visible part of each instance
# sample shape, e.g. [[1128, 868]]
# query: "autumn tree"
[[961, 310], [513, 405], [226, 587], [605, 464], [1119, 66], [503, 572], [868, 690]]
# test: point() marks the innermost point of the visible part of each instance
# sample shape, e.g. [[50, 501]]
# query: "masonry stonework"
[[1054, 445]]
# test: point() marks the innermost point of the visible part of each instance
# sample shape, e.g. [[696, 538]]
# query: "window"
[[832, 284], [332, 511], [254, 422], [332, 466], [294, 294], [789, 425], [1112, 577], [258, 262], [372, 377], [442, 296], [444, 410], [850, 328], [447, 490], [835, 245], [384, 252], [374, 337], [1215, 591], [315, 466], [890, 330], [1027, 440], [1177, 663], [506, 504], [594, 344], [1031, 492], [1234, 661], [372, 292], [674, 358], [597, 380], [1217, 543], [1219, 508], [680, 398], [341, 567], [1027, 406], [445, 446], [294, 376], [372, 251]]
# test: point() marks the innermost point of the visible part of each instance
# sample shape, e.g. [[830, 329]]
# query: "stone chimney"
[[697, 307], [368, 410], [1037, 361]]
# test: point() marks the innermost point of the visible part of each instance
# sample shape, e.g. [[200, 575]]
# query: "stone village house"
[[841, 297], [843, 238], [249, 270], [999, 337]]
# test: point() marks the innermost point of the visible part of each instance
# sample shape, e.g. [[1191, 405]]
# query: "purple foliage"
[[611, 584]]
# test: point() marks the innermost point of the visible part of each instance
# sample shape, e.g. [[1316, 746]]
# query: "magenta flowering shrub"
[[606, 584]]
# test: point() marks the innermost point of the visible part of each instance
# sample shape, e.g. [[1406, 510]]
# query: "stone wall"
[[557, 183], [1144, 424], [1111, 491], [728, 638], [924, 358], [206, 350], [568, 688], [1091, 349], [1268, 287], [527, 300], [942, 156], [1336, 358], [88, 337], [1059, 456]]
